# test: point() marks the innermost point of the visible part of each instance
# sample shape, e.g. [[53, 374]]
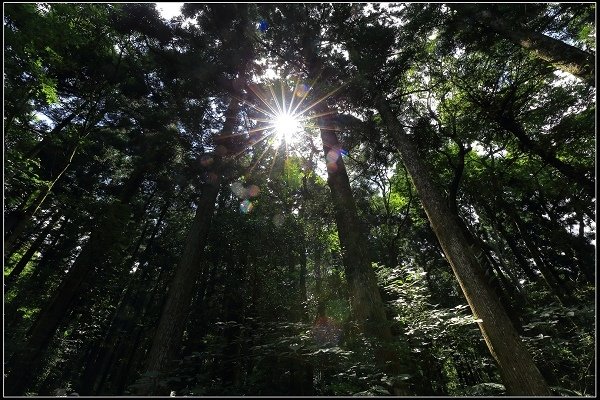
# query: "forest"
[[300, 199]]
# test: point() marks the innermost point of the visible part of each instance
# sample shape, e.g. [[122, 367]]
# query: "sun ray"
[[279, 111], [259, 158], [294, 95], [257, 130], [260, 95], [253, 144], [284, 111], [329, 128], [281, 120], [324, 97], [323, 114], [255, 107], [305, 95], [273, 162]]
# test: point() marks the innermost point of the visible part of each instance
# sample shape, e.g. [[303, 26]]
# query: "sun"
[[282, 120], [287, 127]]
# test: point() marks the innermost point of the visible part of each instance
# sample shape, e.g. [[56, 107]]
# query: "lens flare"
[[246, 206]]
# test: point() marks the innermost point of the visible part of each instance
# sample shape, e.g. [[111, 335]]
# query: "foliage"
[[113, 119]]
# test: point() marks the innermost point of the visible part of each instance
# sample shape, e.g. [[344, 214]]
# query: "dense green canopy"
[[299, 199]]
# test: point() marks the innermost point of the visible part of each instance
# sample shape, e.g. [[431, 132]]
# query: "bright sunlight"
[[287, 127], [282, 119]]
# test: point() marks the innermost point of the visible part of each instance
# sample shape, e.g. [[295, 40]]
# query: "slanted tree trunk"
[[560, 288], [31, 289], [518, 371], [231, 365], [547, 155], [512, 244], [130, 351], [35, 246], [557, 53], [95, 252], [170, 329], [478, 246], [24, 216], [121, 324], [493, 276], [367, 306], [55, 131], [174, 314]]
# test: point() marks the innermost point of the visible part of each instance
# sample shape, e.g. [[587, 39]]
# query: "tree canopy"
[[299, 199]]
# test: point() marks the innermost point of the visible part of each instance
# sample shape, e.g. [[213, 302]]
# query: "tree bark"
[[170, 329], [518, 371], [367, 306], [173, 317]]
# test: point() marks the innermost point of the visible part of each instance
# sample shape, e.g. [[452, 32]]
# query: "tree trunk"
[[560, 289], [35, 246], [31, 289], [174, 314], [169, 331], [25, 216], [99, 361], [303, 294], [131, 351], [559, 54], [367, 306], [55, 131], [512, 244], [518, 371], [93, 254]]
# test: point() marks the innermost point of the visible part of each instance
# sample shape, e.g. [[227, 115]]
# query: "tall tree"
[[367, 306], [170, 234], [519, 373], [173, 316], [517, 368]]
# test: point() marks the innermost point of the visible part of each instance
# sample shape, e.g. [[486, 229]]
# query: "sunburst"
[[283, 120]]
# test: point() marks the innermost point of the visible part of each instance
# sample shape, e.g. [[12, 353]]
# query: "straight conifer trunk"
[[171, 325], [170, 329], [518, 371], [367, 306]]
